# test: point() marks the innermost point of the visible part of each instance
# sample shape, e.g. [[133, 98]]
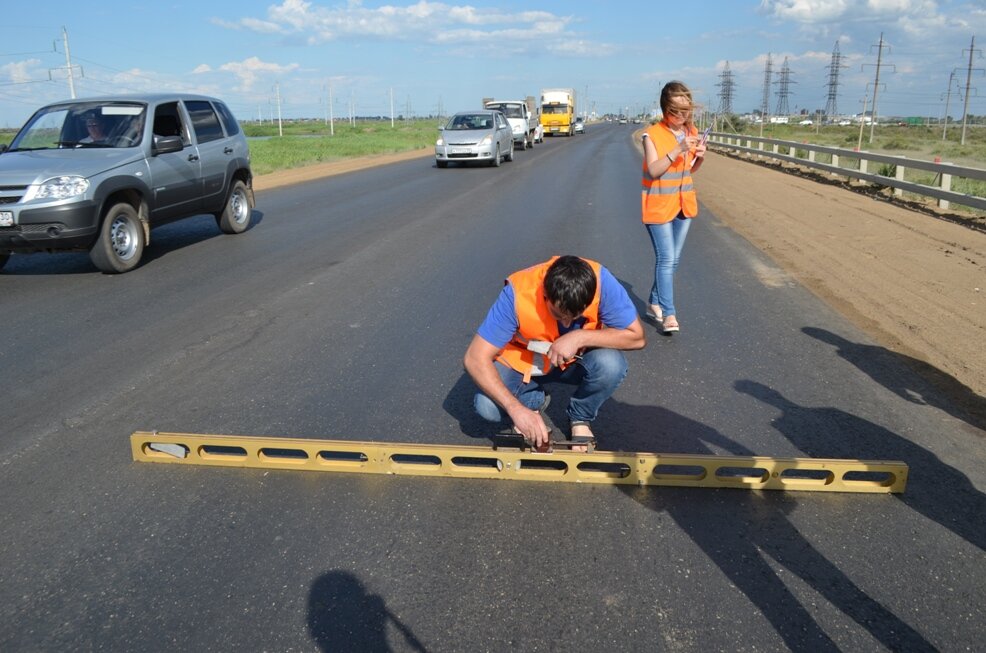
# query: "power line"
[[876, 82], [782, 94], [765, 101], [831, 104], [968, 82], [726, 86]]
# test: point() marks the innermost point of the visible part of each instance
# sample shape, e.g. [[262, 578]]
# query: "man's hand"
[[531, 425], [565, 348]]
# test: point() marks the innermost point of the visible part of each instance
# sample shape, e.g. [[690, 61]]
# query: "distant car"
[[539, 133], [579, 126], [806, 122], [623, 120], [845, 123], [98, 174], [475, 136]]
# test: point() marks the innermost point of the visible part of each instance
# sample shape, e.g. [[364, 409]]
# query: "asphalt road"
[[343, 313]]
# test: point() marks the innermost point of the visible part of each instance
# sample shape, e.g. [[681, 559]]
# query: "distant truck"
[[524, 119], [558, 111]]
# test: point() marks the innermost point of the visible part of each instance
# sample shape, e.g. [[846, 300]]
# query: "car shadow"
[[164, 240]]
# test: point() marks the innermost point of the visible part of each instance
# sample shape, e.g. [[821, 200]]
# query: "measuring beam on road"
[[465, 461]]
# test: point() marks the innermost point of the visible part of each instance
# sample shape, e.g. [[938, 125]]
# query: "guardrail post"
[[811, 155], [835, 164], [862, 165], [946, 184], [899, 176]]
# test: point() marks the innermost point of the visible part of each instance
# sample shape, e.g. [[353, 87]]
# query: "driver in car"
[[96, 126]]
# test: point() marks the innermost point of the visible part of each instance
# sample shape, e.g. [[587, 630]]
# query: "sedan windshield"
[[471, 121], [82, 125]]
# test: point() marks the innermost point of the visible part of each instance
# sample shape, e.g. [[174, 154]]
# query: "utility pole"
[[948, 98], [68, 64], [765, 103], [277, 93], [968, 88], [391, 107], [876, 83], [783, 93], [332, 122], [831, 105], [726, 86], [862, 119]]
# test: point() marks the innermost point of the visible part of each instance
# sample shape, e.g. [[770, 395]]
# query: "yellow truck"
[[558, 111]]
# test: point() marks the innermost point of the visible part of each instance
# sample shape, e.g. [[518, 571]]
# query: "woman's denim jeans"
[[598, 374], [668, 239]]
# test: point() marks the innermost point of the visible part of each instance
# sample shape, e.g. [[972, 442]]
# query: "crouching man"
[[567, 320]]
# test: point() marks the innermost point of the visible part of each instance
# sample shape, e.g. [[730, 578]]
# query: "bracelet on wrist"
[[670, 158]]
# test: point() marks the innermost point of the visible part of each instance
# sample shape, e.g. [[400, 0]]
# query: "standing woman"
[[673, 151]]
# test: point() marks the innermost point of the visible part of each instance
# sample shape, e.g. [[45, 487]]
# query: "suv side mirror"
[[165, 144]]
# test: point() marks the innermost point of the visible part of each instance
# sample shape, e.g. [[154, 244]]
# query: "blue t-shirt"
[[616, 311]]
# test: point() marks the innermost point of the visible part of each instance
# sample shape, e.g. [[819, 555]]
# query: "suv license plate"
[[6, 218]]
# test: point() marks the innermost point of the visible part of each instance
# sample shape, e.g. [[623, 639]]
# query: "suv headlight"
[[487, 140], [440, 142], [58, 188]]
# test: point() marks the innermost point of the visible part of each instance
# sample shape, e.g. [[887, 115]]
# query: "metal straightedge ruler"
[[470, 461]]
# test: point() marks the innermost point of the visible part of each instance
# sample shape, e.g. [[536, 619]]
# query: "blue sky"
[[448, 55]]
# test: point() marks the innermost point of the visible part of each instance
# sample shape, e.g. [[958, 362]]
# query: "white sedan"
[[475, 136]]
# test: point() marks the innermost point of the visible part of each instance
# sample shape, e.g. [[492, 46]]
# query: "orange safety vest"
[[662, 199], [535, 320]]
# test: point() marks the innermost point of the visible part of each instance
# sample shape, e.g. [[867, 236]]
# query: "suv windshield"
[[83, 124]]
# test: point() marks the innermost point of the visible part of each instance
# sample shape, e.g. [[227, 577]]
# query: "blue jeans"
[[598, 374], [668, 239]]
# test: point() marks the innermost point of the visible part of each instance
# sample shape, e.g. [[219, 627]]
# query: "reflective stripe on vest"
[[662, 199], [535, 321]]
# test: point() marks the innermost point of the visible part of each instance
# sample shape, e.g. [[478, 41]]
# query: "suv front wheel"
[[235, 217], [121, 240]]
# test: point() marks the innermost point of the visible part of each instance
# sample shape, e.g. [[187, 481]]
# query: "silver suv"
[[98, 174]]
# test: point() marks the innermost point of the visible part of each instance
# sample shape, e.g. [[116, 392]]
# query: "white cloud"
[[20, 72], [436, 23], [827, 11], [202, 68], [249, 71]]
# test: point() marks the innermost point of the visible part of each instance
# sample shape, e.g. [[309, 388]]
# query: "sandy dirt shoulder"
[[912, 282]]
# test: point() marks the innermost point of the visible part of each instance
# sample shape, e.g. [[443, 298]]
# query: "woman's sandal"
[[654, 312], [670, 325]]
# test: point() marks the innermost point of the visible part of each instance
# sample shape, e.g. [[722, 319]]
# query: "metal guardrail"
[[944, 172]]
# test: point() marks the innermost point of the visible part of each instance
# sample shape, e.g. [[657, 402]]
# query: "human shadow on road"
[[936, 490], [747, 533], [342, 617], [909, 378]]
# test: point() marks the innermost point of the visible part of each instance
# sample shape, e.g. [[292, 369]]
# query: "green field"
[[306, 143], [911, 141], [309, 142], [914, 142]]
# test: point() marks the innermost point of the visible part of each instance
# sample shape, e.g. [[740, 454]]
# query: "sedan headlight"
[[487, 140], [58, 188], [440, 142]]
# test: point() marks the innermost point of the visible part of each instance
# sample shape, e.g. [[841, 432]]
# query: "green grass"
[[912, 141], [310, 143]]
